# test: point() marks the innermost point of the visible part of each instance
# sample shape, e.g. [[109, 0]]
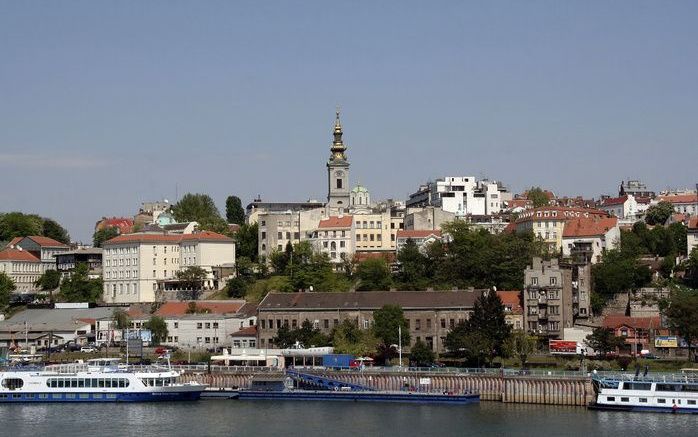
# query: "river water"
[[279, 419]]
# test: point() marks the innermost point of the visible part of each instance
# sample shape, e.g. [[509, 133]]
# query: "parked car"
[[88, 349]]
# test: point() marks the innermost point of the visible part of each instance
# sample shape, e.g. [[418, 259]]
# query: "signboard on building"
[[424, 381], [666, 341], [563, 347]]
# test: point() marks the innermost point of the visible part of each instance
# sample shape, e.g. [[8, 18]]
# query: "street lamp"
[[399, 345]]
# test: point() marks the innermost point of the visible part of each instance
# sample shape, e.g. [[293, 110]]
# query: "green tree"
[[247, 241], [616, 273], [202, 209], [521, 345], [659, 213], [386, 322], [413, 266], [421, 354], [7, 286], [17, 224], [476, 347], [679, 234], [603, 341], [538, 197], [105, 234], [279, 260], [373, 274], [234, 212], [682, 314], [488, 319], [78, 287], [158, 328], [49, 280], [305, 336], [192, 282], [691, 268], [52, 229], [348, 338], [121, 319], [236, 287]]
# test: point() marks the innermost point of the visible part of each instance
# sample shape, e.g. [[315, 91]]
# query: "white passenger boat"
[[671, 393], [99, 380]]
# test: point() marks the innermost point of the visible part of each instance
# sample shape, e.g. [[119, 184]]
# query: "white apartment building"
[[683, 203], [623, 207], [585, 239], [461, 195], [22, 267], [134, 263], [335, 237]]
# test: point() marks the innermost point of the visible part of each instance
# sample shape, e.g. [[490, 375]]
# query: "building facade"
[[66, 262], [427, 219], [548, 222], [692, 235], [22, 267], [134, 264], [585, 239], [335, 237], [43, 248], [278, 228], [554, 296], [461, 195], [430, 314]]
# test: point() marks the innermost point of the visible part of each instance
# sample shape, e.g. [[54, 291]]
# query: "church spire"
[[338, 148]]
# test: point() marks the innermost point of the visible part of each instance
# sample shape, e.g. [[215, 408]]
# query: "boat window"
[[637, 386], [12, 383], [690, 387], [661, 401], [669, 387], [81, 383], [625, 399], [691, 402], [74, 383], [643, 400], [611, 398]]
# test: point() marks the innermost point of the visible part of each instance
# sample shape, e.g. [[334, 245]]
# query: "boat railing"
[[654, 377]]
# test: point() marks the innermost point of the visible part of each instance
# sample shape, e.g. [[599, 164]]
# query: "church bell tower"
[[338, 173]]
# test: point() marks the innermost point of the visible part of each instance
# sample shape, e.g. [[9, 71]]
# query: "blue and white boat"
[[671, 393], [99, 380]]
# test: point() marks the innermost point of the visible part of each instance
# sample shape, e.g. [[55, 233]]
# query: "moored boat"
[[674, 393], [97, 380]]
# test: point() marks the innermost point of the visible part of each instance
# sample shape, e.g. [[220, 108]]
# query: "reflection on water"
[[218, 418]]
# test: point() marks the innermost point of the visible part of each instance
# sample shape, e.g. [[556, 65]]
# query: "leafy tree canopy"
[[79, 287], [348, 338], [659, 213], [121, 319], [18, 224], [49, 280], [246, 241], [421, 354], [234, 212], [53, 229], [158, 328], [191, 280], [538, 197], [603, 341], [682, 314], [105, 234], [373, 274], [521, 345], [305, 336], [385, 325], [7, 286], [199, 208]]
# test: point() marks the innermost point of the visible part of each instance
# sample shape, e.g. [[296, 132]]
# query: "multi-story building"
[[375, 232], [257, 208], [623, 207], [421, 238], [66, 262], [585, 239], [513, 310], [428, 218], [43, 248], [548, 222], [134, 264], [335, 237], [636, 188], [277, 229], [360, 199], [22, 267], [555, 295], [430, 314], [461, 195], [683, 203]]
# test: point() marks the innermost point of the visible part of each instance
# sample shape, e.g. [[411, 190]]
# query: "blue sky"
[[105, 104]]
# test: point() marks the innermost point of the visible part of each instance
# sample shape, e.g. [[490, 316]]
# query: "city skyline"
[[137, 103]]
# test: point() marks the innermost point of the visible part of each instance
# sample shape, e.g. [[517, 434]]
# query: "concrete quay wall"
[[510, 389]]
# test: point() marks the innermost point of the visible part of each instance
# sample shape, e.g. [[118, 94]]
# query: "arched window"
[[333, 246]]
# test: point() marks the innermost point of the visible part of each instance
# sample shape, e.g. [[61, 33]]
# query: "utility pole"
[[399, 342]]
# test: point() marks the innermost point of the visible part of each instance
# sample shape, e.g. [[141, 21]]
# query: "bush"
[[623, 362]]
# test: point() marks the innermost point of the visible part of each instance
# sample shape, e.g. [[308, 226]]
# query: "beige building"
[[555, 296], [134, 264], [427, 219], [335, 237], [43, 248], [22, 267], [430, 314], [375, 232], [692, 236], [548, 222], [276, 229]]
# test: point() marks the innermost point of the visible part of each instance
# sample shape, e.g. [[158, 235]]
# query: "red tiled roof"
[[176, 308], [589, 227], [124, 224], [46, 242], [511, 299], [679, 198], [337, 222], [693, 222], [510, 228], [17, 255], [618, 320], [250, 331], [405, 233], [614, 201], [14, 241], [168, 238]]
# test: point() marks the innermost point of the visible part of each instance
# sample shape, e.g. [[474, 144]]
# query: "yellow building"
[[548, 222]]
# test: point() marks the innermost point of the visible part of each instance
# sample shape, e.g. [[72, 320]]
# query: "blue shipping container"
[[337, 361]]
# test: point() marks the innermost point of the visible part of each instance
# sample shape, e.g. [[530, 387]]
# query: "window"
[[215, 325], [208, 325], [661, 401], [534, 281], [643, 400], [553, 281], [624, 399], [611, 398], [339, 183], [428, 323], [199, 325], [691, 402], [264, 324], [176, 325], [326, 323], [417, 324], [443, 323]]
